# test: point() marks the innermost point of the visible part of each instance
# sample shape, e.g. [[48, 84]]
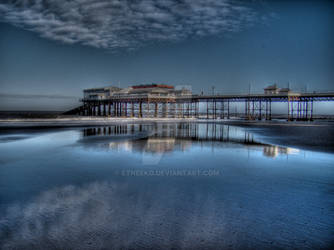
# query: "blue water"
[[162, 186]]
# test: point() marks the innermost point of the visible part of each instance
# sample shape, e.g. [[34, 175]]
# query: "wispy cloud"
[[127, 24]]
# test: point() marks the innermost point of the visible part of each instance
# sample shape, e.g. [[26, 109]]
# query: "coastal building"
[[151, 90]]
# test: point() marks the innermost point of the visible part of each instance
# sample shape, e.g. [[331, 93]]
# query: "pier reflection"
[[163, 138]]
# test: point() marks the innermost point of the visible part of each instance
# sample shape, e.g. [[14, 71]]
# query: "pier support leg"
[[140, 109], [306, 109], [246, 110], [148, 109], [121, 109], [289, 108], [215, 110], [155, 109], [270, 109], [311, 115], [228, 109], [292, 111], [207, 109]]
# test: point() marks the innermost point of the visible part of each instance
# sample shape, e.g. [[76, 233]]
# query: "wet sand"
[[315, 136], [74, 195]]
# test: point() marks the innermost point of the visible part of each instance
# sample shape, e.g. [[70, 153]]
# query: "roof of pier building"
[[152, 89], [153, 85]]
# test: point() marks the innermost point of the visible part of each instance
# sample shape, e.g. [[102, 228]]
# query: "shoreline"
[[70, 121]]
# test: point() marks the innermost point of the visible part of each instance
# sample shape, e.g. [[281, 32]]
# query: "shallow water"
[[162, 186]]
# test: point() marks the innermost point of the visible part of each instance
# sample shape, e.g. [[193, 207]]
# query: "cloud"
[[130, 24]]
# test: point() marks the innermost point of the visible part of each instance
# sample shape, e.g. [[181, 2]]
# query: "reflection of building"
[[124, 145], [274, 151], [161, 138], [159, 145], [181, 131], [151, 145], [270, 151], [162, 145]]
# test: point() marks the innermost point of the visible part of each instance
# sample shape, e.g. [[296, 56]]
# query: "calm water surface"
[[162, 186]]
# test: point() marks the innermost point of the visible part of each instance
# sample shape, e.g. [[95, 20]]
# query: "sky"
[[53, 49]]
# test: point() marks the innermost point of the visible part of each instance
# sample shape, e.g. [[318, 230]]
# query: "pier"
[[162, 101]]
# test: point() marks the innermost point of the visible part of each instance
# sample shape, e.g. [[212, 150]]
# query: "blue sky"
[[51, 50]]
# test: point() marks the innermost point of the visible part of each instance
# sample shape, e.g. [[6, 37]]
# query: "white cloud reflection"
[[105, 216]]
